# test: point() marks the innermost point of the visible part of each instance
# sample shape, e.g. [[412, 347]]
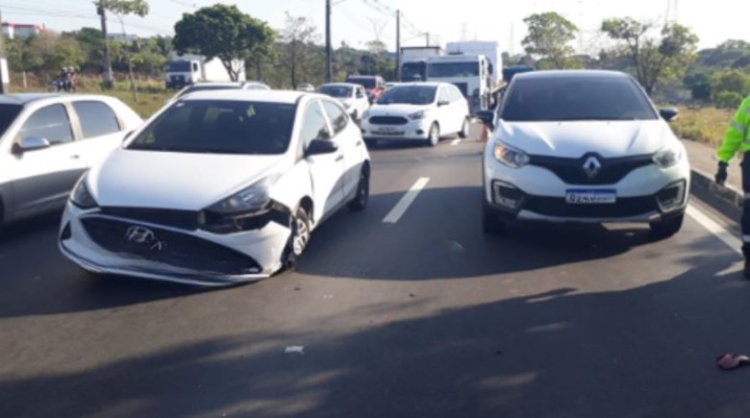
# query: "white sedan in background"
[[424, 112], [218, 188], [352, 96], [583, 146]]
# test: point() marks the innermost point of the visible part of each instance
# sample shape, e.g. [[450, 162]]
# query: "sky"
[[360, 21]]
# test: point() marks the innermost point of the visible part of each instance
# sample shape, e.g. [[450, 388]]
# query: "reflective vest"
[[738, 133]]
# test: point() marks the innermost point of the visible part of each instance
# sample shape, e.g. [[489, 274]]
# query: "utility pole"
[[108, 77], [427, 38], [398, 45], [328, 41], [4, 75]]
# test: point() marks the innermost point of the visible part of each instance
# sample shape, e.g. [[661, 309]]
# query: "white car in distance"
[[421, 112], [218, 188], [583, 146], [352, 96]]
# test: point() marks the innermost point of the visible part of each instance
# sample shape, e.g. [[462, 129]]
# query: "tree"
[[549, 36], [296, 51], [47, 52], [223, 32], [654, 59], [699, 84], [122, 8]]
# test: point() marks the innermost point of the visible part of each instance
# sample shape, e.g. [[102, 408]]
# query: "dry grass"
[[704, 124]]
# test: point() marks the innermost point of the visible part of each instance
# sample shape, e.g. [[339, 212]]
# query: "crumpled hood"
[[171, 180], [396, 109], [573, 139]]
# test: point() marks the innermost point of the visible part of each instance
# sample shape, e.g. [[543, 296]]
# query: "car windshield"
[[576, 98], [453, 69], [8, 113], [177, 67], [221, 127], [336, 91], [366, 82], [415, 95], [412, 71]]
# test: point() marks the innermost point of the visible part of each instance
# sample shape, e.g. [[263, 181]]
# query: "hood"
[[573, 139], [170, 180], [396, 109]]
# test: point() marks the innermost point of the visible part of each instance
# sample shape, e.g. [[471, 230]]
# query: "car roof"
[[24, 98], [340, 84], [423, 83], [272, 96], [563, 74]]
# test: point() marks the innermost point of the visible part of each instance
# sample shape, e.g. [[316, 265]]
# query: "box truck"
[[414, 62], [490, 49], [183, 70]]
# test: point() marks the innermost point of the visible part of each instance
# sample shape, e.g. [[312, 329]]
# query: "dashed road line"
[[398, 211], [713, 227]]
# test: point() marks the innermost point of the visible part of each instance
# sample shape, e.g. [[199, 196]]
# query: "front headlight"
[[81, 197], [668, 157], [247, 201], [509, 156], [418, 115]]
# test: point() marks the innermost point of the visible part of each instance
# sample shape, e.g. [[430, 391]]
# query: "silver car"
[[48, 141]]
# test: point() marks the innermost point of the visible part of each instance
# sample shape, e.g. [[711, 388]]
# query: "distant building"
[[122, 37], [16, 30]]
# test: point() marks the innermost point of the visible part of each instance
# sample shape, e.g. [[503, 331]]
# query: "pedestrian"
[[737, 138]]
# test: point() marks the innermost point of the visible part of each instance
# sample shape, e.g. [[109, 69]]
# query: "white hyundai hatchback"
[[218, 188], [421, 112], [583, 146]]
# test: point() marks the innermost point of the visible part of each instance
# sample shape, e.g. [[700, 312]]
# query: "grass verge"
[[705, 124]]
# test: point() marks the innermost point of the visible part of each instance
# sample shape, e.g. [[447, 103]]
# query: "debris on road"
[[411, 295], [732, 361], [295, 349]]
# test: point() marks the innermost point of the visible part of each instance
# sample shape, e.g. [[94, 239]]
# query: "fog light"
[[65, 234], [506, 194], [672, 196]]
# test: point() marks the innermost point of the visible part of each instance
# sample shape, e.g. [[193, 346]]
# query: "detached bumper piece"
[[168, 247], [511, 201]]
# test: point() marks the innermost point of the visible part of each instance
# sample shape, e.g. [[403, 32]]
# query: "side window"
[[456, 94], [360, 92], [97, 119], [336, 115], [443, 95], [314, 125], [51, 123]]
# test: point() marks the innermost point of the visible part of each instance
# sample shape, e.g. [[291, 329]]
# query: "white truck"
[[414, 61], [470, 73], [183, 70], [490, 49]]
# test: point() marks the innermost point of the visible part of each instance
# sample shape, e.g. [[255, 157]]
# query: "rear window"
[[220, 127], [367, 82], [575, 99], [8, 113]]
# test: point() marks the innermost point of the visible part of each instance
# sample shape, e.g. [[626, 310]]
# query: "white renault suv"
[[421, 112], [583, 146], [217, 188]]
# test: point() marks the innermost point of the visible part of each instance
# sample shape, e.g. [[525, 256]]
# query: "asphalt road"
[[424, 317]]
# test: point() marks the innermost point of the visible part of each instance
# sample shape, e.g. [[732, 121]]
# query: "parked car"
[[228, 188], [419, 111], [231, 85], [48, 141], [583, 146], [306, 87], [374, 85], [351, 96]]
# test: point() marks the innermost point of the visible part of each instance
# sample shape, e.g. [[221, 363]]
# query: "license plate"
[[386, 130], [389, 133], [590, 197]]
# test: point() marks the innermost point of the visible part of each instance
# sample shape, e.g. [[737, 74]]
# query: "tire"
[[464, 133], [296, 245], [434, 135], [665, 229], [359, 203], [491, 224]]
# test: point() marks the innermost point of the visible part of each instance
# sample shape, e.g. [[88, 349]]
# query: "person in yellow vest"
[[737, 138]]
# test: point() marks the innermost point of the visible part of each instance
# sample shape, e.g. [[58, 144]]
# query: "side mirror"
[[30, 143], [443, 103], [321, 146], [669, 114], [487, 117]]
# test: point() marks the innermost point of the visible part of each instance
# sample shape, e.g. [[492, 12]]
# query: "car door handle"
[[75, 157], [358, 143], [340, 157]]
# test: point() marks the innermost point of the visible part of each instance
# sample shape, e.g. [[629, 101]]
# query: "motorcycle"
[[60, 84]]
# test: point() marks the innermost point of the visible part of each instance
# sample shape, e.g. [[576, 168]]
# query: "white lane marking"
[[716, 229], [455, 142], [398, 211]]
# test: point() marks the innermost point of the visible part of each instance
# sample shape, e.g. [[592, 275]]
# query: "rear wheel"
[[668, 228]]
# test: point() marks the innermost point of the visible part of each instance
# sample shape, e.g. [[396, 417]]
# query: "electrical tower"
[[672, 12]]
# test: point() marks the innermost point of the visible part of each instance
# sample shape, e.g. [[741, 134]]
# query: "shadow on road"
[[642, 352]]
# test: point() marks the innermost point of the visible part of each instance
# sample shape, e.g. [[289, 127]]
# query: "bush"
[[728, 99], [704, 124]]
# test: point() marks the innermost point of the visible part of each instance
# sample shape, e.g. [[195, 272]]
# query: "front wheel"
[[359, 203], [491, 222], [665, 229], [434, 135], [464, 132], [298, 239]]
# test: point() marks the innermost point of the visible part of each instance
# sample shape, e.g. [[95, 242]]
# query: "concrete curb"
[[725, 199]]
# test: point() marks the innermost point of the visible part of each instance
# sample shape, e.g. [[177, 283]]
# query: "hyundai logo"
[[144, 236], [591, 167]]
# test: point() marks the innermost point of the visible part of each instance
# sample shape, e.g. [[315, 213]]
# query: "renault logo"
[[592, 167], [144, 236]]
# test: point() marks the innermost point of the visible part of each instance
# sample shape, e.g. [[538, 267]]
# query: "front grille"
[[168, 247], [623, 208], [571, 170], [182, 219], [177, 78], [388, 120], [464, 87]]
